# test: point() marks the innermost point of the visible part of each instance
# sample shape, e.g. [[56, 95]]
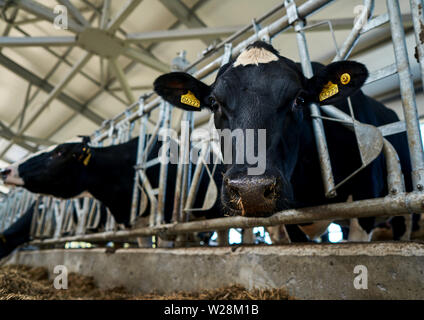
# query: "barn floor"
[[29, 283], [387, 270]]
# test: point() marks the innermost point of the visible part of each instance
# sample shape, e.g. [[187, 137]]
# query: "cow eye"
[[298, 102], [213, 104], [57, 153]]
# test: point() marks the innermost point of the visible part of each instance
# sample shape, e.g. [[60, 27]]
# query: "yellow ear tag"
[[87, 159], [329, 90], [190, 100], [345, 78]]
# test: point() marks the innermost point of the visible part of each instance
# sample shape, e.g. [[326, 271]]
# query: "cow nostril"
[[269, 192], [4, 173], [234, 192]]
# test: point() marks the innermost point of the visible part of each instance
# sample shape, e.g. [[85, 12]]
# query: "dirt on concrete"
[[27, 283]]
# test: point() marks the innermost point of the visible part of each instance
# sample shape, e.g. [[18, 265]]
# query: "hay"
[[26, 283]]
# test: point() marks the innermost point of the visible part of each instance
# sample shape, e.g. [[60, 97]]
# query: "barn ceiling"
[[56, 84]]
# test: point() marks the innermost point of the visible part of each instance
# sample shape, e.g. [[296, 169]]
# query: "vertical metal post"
[[182, 177], [163, 175], [324, 157], [408, 95], [140, 148]]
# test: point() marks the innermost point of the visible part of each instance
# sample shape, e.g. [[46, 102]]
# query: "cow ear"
[[336, 81], [183, 91]]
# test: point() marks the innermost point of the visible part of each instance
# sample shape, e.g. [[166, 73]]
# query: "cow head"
[[58, 172], [262, 90]]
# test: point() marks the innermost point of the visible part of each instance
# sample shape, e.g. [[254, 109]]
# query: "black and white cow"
[[261, 89], [107, 173]]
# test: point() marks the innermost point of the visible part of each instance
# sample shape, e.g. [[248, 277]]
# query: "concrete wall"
[[307, 271]]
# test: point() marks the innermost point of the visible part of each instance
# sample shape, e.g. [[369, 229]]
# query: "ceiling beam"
[[119, 18], [47, 87], [37, 41], [17, 140], [142, 57], [181, 34], [183, 13], [120, 75], [186, 16]]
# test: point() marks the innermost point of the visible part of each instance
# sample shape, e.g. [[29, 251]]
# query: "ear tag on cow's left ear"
[[329, 90], [345, 78], [190, 99], [87, 159]]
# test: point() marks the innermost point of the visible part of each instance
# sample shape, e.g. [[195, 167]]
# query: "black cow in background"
[[16, 234], [107, 173], [261, 89]]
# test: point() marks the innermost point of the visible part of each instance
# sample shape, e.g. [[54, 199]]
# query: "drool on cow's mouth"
[[236, 209]]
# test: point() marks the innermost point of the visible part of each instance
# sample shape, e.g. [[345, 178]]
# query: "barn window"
[[335, 233]]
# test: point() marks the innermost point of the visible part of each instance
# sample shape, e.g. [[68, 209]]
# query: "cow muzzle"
[[10, 176], [252, 196]]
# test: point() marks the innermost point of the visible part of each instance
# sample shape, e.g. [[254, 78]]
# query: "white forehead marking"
[[255, 56]]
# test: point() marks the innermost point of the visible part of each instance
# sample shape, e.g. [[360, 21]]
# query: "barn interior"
[[70, 66]]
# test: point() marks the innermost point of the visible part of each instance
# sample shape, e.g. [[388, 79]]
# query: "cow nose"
[[253, 195], [5, 172], [10, 176]]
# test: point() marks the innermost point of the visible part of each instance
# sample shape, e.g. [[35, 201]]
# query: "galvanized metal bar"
[[353, 36], [37, 41], [104, 20], [140, 148], [375, 23], [382, 73], [176, 212], [163, 173], [186, 180], [408, 95], [192, 192], [393, 128], [145, 59], [180, 34], [318, 127], [400, 204], [120, 75], [119, 18]]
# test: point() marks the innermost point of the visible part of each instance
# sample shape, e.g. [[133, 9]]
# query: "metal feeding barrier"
[[59, 221]]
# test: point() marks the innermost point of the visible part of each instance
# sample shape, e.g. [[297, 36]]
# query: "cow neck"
[[110, 175]]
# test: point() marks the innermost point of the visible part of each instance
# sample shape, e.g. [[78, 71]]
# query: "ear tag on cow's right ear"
[[329, 90], [190, 99]]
